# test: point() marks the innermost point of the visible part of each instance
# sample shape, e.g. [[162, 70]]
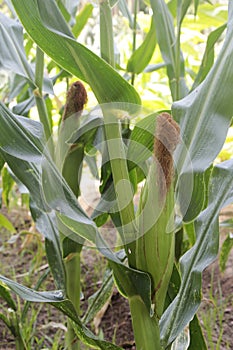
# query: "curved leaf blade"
[[142, 56], [48, 187], [56, 299], [15, 130], [4, 222], [82, 18], [12, 56], [208, 57], [105, 82], [205, 115], [167, 43]]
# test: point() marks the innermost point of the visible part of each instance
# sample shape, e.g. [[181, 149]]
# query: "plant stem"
[[122, 185], [40, 103], [134, 33], [73, 271], [146, 328], [106, 33]]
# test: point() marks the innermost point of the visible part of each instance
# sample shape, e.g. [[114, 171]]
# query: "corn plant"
[[171, 151]]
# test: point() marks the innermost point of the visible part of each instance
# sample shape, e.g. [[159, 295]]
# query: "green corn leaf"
[[182, 309], [191, 205], [154, 67], [60, 198], [184, 6], [99, 298], [5, 294], [167, 43], [123, 7], [142, 56], [33, 295], [23, 108], [29, 174], [181, 342], [86, 132], [196, 4], [5, 320], [225, 251], [106, 33], [197, 340], [46, 224], [2, 162], [81, 19], [49, 30], [7, 184], [204, 116], [208, 57], [56, 299], [21, 128], [26, 144], [72, 7], [4, 222], [12, 55], [63, 10], [141, 141], [53, 189]]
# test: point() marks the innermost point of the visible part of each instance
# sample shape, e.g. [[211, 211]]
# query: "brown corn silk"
[[76, 98], [167, 137]]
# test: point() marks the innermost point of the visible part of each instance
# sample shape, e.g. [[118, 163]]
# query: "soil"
[[19, 258]]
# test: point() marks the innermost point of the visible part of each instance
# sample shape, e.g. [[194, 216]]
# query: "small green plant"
[[212, 316], [168, 153]]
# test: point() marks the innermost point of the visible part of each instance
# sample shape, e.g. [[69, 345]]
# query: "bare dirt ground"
[[20, 256]]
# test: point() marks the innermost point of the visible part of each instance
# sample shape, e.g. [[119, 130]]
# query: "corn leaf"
[[142, 56], [204, 116], [49, 30], [4, 222], [123, 7], [97, 300], [24, 146], [182, 309], [12, 54], [7, 184], [197, 340], [208, 57], [225, 251], [56, 298], [47, 225], [81, 19], [5, 294], [167, 43], [13, 57], [60, 198], [2, 162], [19, 129]]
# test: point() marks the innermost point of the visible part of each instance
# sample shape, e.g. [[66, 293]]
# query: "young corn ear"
[[69, 159], [155, 246]]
